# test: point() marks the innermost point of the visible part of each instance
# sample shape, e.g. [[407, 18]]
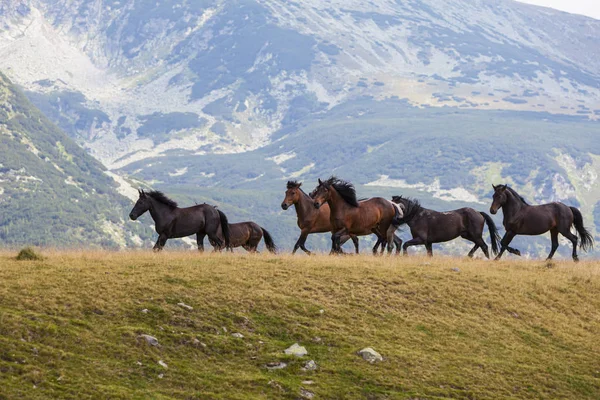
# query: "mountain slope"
[[241, 70], [51, 191]]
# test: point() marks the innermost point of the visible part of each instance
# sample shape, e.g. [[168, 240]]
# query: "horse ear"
[[494, 186], [320, 183], [503, 187], [300, 184]]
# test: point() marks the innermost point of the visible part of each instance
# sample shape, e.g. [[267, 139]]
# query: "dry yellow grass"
[[69, 326]]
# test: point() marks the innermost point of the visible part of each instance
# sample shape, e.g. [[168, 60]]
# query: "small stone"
[[276, 365], [160, 376], [515, 315], [296, 350], [224, 329], [183, 305], [308, 382], [306, 394], [261, 342], [370, 355], [237, 335], [60, 378], [138, 363], [163, 364], [321, 311], [455, 269], [145, 311], [317, 339], [151, 340], [310, 366]]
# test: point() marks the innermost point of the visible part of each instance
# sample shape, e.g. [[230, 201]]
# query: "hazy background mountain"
[[225, 101]]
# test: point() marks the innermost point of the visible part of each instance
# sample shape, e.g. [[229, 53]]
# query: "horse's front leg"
[[336, 246], [160, 242], [508, 237], [300, 242], [412, 242]]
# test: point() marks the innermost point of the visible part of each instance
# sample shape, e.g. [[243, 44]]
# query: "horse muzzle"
[[493, 210], [132, 216], [317, 205], [284, 206]]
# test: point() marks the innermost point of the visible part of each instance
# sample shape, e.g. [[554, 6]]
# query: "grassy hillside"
[[70, 327], [51, 191]]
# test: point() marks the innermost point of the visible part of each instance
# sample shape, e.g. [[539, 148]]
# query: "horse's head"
[[499, 199], [292, 194], [321, 194], [141, 206]]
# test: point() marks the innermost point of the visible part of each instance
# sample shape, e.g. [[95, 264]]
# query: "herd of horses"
[[333, 207]]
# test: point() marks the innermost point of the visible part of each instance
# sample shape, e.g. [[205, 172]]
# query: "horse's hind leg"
[[355, 242], [429, 248], [554, 239], [219, 243], [300, 243], [200, 241], [573, 239]]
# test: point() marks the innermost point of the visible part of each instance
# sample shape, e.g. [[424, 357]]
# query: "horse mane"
[[517, 195], [293, 184], [161, 198], [345, 189], [412, 207]]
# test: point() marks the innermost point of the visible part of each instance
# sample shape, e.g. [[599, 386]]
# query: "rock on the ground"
[[296, 350], [276, 365], [183, 305], [145, 311], [151, 340], [306, 394], [163, 364], [370, 355], [237, 335], [310, 366], [455, 269]]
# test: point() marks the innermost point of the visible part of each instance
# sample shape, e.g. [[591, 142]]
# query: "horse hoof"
[[517, 253], [576, 259]]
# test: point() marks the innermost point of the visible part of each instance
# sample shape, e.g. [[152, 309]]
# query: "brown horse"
[[310, 220], [348, 216], [429, 226], [521, 218], [247, 235]]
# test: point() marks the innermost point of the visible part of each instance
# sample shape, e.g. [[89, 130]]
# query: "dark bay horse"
[[429, 226], [173, 222], [310, 219], [247, 235], [521, 218], [348, 216]]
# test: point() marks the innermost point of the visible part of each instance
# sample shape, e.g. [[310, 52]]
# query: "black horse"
[[173, 222], [521, 218], [429, 226]]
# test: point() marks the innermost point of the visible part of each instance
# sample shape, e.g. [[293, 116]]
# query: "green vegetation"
[[28, 253], [51, 191], [71, 327]]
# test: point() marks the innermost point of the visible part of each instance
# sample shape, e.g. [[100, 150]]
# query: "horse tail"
[[268, 240], [224, 227], [494, 235], [587, 241]]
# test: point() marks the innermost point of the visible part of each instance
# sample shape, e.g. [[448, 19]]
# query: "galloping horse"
[[173, 222], [429, 226], [247, 235], [348, 216], [310, 220], [521, 218]]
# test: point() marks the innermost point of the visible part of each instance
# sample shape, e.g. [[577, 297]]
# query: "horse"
[[247, 235], [173, 222], [348, 216], [310, 220], [520, 218], [429, 226]]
